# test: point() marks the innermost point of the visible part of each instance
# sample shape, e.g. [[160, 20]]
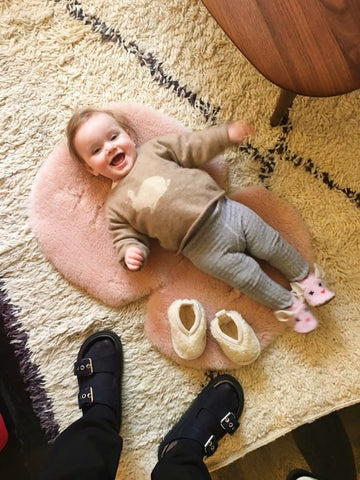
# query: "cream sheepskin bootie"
[[235, 337], [188, 328]]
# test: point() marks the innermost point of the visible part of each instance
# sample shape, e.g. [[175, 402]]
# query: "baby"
[[159, 192]]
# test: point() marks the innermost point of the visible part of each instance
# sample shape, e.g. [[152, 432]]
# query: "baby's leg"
[[218, 249], [265, 243], [244, 273]]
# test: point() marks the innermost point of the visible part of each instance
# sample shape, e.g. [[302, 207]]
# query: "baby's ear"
[[91, 170]]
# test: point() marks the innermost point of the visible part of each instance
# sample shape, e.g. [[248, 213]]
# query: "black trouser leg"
[[182, 462], [89, 449], [326, 447]]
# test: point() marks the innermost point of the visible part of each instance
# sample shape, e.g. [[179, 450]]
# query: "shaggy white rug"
[[58, 55]]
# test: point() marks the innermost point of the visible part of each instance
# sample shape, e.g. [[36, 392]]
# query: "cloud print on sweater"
[[150, 192]]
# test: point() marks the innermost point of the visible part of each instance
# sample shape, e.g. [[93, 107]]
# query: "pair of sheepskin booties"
[[234, 335]]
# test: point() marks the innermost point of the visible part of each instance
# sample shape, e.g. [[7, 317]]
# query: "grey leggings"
[[225, 244]]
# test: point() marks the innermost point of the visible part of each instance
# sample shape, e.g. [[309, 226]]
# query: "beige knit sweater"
[[164, 196]]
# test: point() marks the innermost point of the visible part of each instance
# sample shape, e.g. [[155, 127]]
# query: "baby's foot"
[[302, 318], [313, 289]]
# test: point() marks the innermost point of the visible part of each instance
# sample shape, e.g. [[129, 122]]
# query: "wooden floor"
[[275, 460]]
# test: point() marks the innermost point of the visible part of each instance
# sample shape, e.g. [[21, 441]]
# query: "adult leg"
[[90, 448], [183, 462], [213, 413]]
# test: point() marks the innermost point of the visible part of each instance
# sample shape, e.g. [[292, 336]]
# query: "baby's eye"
[[96, 150], [113, 136]]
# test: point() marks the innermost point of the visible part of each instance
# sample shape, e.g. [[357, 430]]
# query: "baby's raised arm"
[[239, 132]]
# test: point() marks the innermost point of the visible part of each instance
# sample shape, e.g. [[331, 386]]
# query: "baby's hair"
[[81, 116]]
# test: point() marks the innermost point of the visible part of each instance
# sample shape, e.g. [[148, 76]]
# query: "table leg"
[[327, 448], [283, 104]]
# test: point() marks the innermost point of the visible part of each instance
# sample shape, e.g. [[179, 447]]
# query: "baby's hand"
[[239, 132], [134, 258]]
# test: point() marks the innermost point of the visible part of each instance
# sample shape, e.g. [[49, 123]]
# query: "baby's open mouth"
[[119, 158]]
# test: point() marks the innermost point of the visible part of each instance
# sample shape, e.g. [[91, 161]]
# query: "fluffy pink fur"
[[67, 217]]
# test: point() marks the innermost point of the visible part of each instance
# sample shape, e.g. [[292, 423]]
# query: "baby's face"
[[105, 147]]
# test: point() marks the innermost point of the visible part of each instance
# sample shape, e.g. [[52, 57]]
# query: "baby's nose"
[[109, 146]]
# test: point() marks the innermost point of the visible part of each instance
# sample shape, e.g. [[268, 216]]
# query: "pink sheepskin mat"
[[67, 217]]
